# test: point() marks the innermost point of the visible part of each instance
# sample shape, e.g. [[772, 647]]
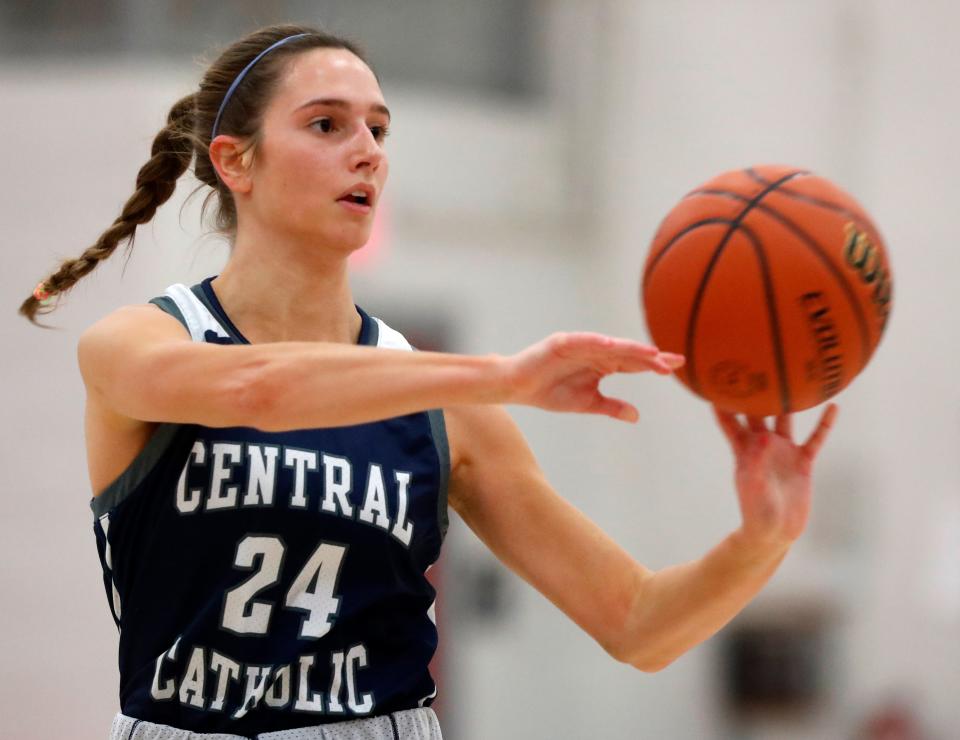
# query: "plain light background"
[[511, 218]]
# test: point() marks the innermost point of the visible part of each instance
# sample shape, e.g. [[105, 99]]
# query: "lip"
[[355, 207], [362, 187]]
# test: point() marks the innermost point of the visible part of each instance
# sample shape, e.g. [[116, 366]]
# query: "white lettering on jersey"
[[337, 481], [336, 683], [256, 684], [313, 703], [357, 658], [165, 692], [263, 475], [220, 474], [279, 694], [226, 670], [191, 687], [402, 529], [262, 470], [268, 686], [187, 503], [375, 501], [300, 461]]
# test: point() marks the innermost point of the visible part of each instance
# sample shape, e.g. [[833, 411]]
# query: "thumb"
[[616, 409]]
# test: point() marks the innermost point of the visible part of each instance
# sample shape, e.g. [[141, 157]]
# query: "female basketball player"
[[270, 489]]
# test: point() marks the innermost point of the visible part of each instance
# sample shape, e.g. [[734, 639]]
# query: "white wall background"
[[516, 221]]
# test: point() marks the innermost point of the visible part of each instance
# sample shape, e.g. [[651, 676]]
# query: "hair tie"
[[236, 82], [42, 295]]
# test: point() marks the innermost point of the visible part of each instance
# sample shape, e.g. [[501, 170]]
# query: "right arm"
[[140, 362]]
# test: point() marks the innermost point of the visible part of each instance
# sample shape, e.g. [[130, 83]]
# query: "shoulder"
[[122, 331], [141, 317]]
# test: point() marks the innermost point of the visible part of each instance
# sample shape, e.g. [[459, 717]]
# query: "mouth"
[[359, 199]]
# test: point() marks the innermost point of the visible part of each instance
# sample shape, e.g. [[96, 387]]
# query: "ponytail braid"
[[171, 154], [187, 134]]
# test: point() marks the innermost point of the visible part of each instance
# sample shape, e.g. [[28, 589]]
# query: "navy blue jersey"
[[271, 580]]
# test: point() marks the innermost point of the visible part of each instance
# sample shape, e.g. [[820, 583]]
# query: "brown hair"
[[187, 134]]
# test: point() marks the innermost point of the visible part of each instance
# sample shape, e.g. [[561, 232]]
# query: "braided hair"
[[185, 139]]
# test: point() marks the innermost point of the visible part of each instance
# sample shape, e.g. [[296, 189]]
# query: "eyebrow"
[[340, 103]]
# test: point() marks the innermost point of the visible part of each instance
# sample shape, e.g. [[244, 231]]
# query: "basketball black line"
[[757, 177], [856, 217], [848, 291], [691, 365], [774, 317], [821, 253], [829, 205], [676, 237]]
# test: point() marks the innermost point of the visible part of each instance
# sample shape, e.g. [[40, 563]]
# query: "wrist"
[[498, 386], [755, 549]]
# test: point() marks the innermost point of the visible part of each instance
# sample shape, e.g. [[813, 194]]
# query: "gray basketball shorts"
[[410, 724]]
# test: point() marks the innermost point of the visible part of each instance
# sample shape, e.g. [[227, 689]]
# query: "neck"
[[285, 292]]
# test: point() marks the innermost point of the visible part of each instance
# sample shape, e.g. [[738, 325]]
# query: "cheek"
[[298, 161]]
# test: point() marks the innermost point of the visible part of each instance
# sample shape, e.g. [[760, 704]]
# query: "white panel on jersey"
[[198, 317], [390, 338], [108, 559]]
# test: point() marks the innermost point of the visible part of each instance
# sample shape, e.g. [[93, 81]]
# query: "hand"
[[563, 372], [773, 476]]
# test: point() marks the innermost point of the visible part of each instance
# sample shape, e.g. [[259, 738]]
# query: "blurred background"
[[535, 146]]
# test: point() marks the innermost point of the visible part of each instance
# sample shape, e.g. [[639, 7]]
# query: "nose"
[[367, 152]]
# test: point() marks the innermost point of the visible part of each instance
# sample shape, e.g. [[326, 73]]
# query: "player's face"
[[320, 165]]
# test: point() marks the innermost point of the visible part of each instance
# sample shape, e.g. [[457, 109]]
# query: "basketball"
[[775, 285]]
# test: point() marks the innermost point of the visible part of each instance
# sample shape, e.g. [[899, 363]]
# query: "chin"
[[348, 241]]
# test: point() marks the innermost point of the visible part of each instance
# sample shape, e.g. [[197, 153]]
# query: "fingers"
[[666, 362], [731, 427], [784, 426], [616, 409], [616, 355], [819, 435], [580, 343], [672, 360], [756, 424]]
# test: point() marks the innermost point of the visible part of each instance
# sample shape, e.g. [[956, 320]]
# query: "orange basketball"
[[774, 283]]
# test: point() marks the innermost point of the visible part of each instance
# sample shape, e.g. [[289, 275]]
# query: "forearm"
[[295, 385], [681, 606]]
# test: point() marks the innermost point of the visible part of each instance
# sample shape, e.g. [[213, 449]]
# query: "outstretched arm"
[[140, 363], [641, 617]]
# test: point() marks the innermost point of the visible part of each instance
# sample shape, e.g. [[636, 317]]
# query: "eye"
[[325, 124], [380, 132]]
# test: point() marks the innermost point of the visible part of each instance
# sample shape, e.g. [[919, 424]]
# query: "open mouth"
[[360, 198]]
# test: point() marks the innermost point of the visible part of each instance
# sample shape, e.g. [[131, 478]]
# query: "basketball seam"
[[829, 205], [821, 254], [691, 366], [774, 318], [676, 237]]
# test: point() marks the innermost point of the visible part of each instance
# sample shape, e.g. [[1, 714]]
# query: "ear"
[[232, 160]]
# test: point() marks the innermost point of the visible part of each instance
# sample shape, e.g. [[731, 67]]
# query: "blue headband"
[[236, 82]]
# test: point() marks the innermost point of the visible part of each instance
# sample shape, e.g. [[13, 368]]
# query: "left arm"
[[639, 616]]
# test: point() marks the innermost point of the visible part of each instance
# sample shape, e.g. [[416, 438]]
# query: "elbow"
[[633, 640], [651, 666], [642, 660]]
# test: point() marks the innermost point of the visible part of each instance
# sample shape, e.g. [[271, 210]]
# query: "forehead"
[[327, 73]]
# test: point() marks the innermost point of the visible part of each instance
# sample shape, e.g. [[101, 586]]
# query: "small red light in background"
[[374, 251]]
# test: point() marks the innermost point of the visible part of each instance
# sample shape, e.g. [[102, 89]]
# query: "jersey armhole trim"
[[438, 430], [167, 304], [137, 471]]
